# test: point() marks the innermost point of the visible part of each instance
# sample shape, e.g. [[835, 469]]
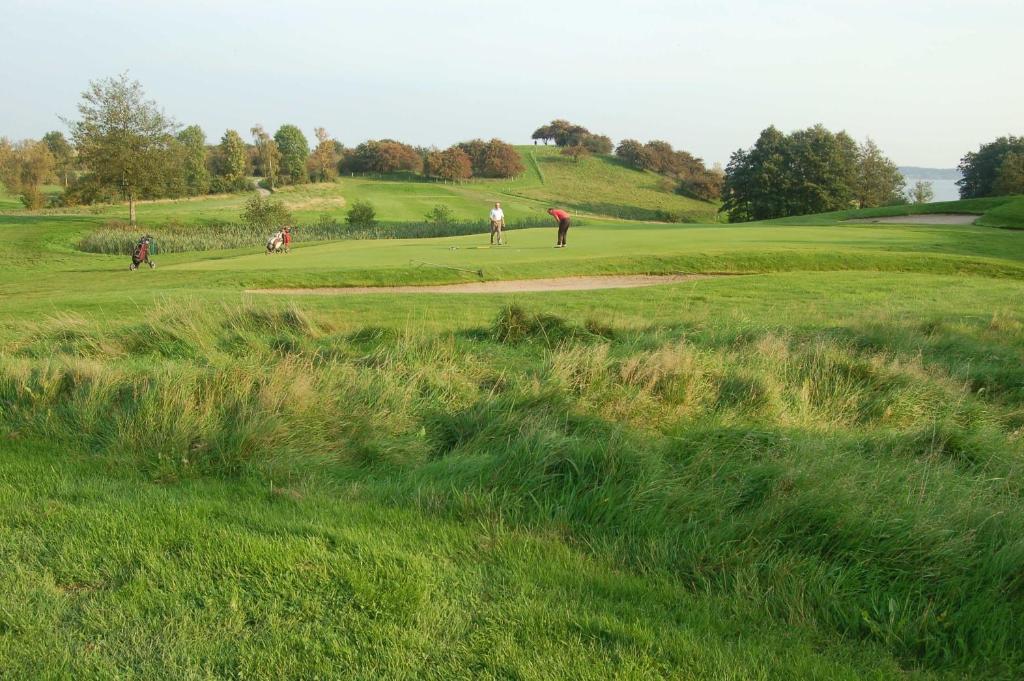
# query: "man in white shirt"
[[497, 223]]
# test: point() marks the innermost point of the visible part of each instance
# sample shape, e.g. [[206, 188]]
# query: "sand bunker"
[[509, 286], [923, 219]]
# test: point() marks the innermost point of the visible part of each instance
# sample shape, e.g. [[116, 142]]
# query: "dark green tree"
[[980, 169], [361, 214], [294, 149]]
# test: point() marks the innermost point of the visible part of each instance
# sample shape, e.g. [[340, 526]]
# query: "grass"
[[998, 211], [811, 471]]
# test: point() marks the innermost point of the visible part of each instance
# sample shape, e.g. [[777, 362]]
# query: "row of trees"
[[996, 169], [566, 134], [808, 171], [475, 158]]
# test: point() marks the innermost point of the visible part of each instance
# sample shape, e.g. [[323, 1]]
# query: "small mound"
[[923, 219], [508, 286]]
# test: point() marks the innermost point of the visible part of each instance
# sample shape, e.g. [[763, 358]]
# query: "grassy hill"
[[810, 471]]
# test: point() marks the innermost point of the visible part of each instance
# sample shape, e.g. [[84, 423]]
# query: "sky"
[[928, 80]]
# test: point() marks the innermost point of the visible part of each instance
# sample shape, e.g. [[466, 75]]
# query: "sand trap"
[[923, 219], [509, 286]]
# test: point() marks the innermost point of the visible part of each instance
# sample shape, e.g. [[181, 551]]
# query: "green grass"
[[998, 211], [811, 471]]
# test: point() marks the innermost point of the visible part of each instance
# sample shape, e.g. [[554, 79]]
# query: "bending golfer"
[[497, 223], [562, 218]]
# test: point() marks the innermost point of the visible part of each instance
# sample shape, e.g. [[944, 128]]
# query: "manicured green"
[[813, 470]]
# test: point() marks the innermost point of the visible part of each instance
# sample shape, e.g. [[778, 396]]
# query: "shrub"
[[440, 215], [361, 214], [265, 213]]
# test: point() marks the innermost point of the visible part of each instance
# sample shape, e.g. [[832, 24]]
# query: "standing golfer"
[[562, 218], [497, 223]]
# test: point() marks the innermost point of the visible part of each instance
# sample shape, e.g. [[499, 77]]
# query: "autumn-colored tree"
[[323, 161], [576, 152], [633, 153], [493, 159], [24, 166], [268, 156], [451, 164], [382, 156]]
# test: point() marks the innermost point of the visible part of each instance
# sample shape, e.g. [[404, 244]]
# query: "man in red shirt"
[[562, 218], [287, 239]]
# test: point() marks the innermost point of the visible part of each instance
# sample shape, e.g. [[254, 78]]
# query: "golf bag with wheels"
[[141, 253], [275, 243]]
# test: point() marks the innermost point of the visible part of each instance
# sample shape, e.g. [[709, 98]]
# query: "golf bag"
[[275, 243], [141, 253]]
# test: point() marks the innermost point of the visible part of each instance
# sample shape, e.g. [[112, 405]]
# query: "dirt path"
[[922, 219], [509, 286]]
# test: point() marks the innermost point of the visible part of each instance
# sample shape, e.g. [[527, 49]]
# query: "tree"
[[575, 152], [807, 171], [231, 163], [633, 153], [63, 154], [980, 169], [195, 174], [493, 159], [382, 156], [294, 152], [24, 166], [922, 192], [879, 181], [566, 134], [598, 144], [1010, 178], [451, 164], [265, 213], [361, 214], [703, 186], [268, 155], [324, 159], [122, 137]]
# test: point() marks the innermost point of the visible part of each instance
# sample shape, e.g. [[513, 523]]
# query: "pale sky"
[[928, 80]]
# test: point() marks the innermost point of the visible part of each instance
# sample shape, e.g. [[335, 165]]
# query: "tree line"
[[123, 146]]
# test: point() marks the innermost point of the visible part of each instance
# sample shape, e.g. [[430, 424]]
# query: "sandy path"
[[508, 286], [923, 219]]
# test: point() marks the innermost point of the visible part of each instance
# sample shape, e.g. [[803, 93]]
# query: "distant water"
[[943, 181], [945, 190]]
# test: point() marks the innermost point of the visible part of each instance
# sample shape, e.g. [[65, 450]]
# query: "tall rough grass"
[[117, 238], [858, 481]]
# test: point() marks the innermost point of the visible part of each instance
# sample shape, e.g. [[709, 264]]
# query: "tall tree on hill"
[[122, 137], [231, 162], [63, 155], [879, 181], [268, 156], [324, 159], [980, 169], [294, 153], [1010, 178], [633, 153], [195, 175]]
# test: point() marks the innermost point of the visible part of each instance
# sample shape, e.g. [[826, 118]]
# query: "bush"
[[440, 215], [264, 213], [361, 214]]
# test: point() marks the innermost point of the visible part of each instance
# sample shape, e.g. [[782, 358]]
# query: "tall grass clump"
[[838, 480]]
